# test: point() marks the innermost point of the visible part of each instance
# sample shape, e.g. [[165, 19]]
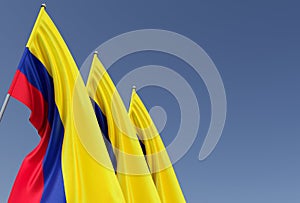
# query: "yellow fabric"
[[132, 170], [157, 157], [87, 171]]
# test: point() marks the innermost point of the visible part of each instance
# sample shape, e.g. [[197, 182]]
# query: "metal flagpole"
[[4, 106]]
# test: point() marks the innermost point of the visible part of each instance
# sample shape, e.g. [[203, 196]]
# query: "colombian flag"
[[158, 160], [131, 167], [71, 163]]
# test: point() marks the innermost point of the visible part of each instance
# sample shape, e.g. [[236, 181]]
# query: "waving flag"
[[131, 167], [158, 160], [71, 163]]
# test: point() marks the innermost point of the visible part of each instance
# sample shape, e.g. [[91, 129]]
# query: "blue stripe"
[[38, 76], [102, 121], [54, 184], [142, 146]]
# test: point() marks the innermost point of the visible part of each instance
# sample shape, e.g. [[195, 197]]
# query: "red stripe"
[[29, 184]]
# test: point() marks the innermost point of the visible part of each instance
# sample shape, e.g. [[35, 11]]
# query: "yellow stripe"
[[87, 171], [157, 157], [132, 170]]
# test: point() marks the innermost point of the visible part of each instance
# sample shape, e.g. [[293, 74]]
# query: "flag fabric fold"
[[131, 167], [71, 163], [157, 157]]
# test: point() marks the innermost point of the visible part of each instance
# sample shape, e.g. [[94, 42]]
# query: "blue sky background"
[[256, 48]]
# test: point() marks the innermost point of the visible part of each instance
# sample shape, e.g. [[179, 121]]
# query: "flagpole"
[[4, 106]]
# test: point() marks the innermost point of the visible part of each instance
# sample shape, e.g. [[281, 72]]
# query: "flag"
[[158, 160], [71, 163], [131, 167]]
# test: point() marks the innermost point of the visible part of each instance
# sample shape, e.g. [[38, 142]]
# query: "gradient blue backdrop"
[[256, 48]]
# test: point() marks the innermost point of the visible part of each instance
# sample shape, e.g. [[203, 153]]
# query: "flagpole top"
[[96, 52], [43, 5], [134, 87]]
